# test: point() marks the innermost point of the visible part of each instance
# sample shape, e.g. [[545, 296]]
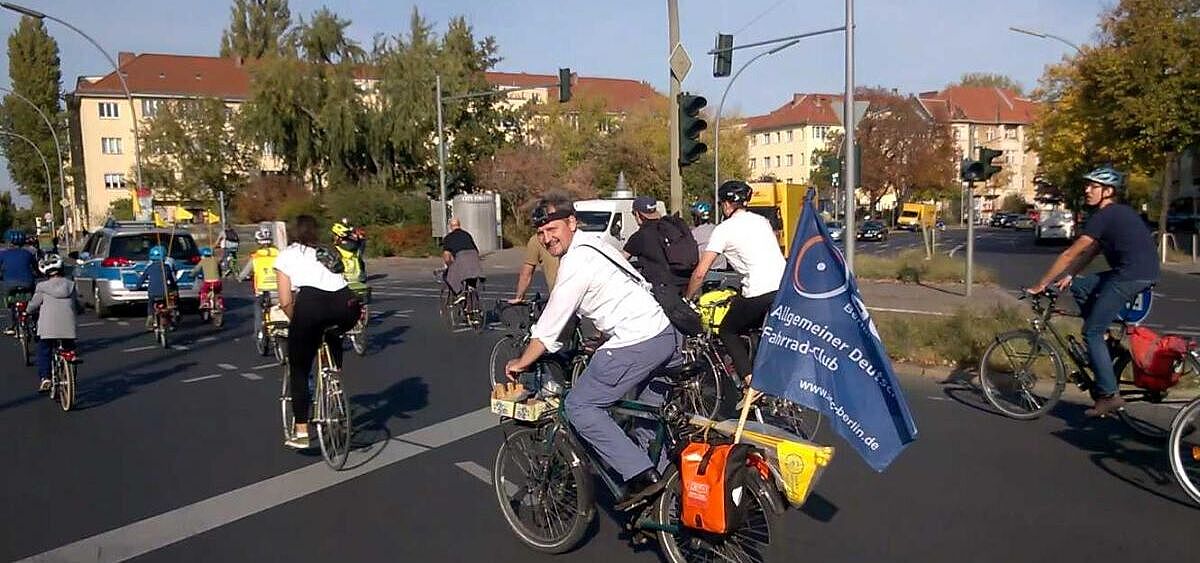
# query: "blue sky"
[[911, 45]]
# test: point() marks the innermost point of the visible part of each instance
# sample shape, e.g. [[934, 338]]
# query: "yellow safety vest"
[[350, 269], [264, 270]]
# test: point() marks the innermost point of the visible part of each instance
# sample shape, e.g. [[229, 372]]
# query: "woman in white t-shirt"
[[314, 299]]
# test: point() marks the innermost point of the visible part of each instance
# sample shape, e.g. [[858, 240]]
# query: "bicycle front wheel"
[[507, 348], [1022, 374], [754, 539], [544, 490], [446, 309], [1183, 446], [66, 384], [333, 425], [162, 336], [706, 388]]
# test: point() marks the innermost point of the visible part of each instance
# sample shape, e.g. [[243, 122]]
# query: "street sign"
[[860, 109], [679, 62]]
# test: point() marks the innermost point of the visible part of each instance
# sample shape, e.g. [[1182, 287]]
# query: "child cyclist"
[[261, 269], [159, 281], [58, 302], [210, 271]]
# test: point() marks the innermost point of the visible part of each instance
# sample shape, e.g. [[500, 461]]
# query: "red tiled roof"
[[619, 94], [802, 109], [979, 104], [173, 75]]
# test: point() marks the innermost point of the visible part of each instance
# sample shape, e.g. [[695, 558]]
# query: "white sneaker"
[[299, 442], [44, 385]]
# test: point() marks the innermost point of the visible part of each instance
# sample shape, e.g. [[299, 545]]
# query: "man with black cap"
[[653, 246]]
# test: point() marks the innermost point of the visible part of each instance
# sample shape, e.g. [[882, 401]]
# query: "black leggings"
[[315, 310], [745, 314]]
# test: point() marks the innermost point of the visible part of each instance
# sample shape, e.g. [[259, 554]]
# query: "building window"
[[150, 107], [777, 136], [776, 161], [766, 138], [789, 135], [1010, 131], [752, 161], [991, 134], [753, 140], [114, 181], [820, 131], [789, 160], [956, 133], [109, 110], [110, 145], [789, 180]]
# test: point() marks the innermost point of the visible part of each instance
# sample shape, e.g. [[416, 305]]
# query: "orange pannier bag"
[[1155, 357], [714, 478]]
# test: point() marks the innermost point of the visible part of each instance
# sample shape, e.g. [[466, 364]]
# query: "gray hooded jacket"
[[58, 301]]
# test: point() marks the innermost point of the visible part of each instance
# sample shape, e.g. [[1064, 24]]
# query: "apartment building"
[[996, 118], [782, 143], [102, 122]]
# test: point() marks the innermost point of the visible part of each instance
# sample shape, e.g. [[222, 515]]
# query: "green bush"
[[414, 240], [911, 266], [121, 209], [957, 340]]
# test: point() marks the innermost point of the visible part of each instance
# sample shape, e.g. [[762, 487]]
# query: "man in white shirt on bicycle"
[[596, 281]]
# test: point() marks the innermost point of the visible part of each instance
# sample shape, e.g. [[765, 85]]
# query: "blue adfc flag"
[[820, 349]]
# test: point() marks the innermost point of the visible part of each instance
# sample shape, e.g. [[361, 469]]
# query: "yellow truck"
[[781, 203], [916, 215]]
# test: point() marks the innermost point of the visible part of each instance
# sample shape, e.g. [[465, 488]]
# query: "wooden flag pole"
[[751, 396]]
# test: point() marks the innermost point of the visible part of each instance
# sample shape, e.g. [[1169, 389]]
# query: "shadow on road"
[[373, 411], [110, 386]]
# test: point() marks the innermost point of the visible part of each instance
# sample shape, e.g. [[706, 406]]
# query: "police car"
[[113, 258]]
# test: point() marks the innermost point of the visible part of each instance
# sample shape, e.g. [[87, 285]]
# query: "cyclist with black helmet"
[[1117, 231], [748, 242], [16, 273], [702, 228]]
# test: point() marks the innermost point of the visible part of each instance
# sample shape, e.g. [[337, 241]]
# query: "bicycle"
[[165, 318], [463, 309], [330, 409], [1023, 375], [543, 483], [228, 265], [358, 333], [272, 330], [62, 377], [24, 327], [213, 309]]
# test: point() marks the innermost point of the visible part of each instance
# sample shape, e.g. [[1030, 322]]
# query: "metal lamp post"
[[1044, 35], [62, 186], [46, 166], [137, 150]]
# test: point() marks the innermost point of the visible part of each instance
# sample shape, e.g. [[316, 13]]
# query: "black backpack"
[[679, 245]]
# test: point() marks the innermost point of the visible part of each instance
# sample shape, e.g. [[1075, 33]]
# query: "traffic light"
[[971, 170], [564, 85], [986, 156], [723, 57], [690, 127]]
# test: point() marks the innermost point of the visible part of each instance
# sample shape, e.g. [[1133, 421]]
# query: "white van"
[[612, 217]]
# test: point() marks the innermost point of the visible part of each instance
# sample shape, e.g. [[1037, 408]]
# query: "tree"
[[8, 211], [323, 39], [255, 28], [34, 71], [1013, 203], [121, 209], [191, 153], [990, 80]]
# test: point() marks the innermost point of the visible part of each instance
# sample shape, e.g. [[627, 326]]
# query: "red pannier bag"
[[714, 479], [1155, 357]]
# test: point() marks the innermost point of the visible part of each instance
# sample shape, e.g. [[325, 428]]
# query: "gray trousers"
[[610, 375]]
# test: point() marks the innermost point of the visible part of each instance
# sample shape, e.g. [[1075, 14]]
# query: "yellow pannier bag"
[[713, 306]]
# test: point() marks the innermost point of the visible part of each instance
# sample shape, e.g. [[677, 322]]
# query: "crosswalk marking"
[[202, 378]]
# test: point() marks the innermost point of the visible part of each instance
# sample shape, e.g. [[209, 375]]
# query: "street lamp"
[[137, 150], [62, 186], [1044, 35], [46, 166]]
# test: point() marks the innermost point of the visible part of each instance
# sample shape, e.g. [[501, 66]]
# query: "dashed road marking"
[[252, 376], [207, 339], [140, 348], [180, 347], [227, 367], [96, 323], [265, 366], [202, 378], [122, 323]]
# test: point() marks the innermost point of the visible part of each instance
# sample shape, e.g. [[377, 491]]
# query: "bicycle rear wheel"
[[25, 341], [262, 340], [333, 426], [544, 490], [1183, 445], [285, 407], [66, 384], [446, 308], [161, 334], [1144, 411], [1022, 375], [755, 539], [473, 310]]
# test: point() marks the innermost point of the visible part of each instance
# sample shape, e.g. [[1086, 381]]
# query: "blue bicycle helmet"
[[206, 252], [1107, 176], [15, 237], [702, 210], [158, 253]]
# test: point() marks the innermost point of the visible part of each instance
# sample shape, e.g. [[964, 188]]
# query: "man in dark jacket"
[[648, 248]]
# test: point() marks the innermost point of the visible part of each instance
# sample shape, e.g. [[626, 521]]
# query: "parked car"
[[1023, 223], [872, 230], [113, 258], [1055, 224], [998, 219], [837, 230]]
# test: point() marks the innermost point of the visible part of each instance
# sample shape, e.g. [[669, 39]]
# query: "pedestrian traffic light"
[[690, 127], [986, 156], [564, 85], [723, 56]]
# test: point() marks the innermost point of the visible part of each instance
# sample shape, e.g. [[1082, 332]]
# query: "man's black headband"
[[541, 216]]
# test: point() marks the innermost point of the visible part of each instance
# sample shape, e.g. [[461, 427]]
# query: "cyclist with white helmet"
[[1117, 231], [58, 301], [261, 269]]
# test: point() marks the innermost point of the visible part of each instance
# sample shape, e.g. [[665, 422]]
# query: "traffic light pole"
[[673, 127], [970, 236], [851, 181]]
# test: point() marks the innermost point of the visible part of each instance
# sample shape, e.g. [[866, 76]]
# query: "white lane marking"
[[1182, 300], [227, 367], [96, 323], [932, 398], [464, 329], [140, 348], [180, 347], [909, 311], [1189, 327], [159, 531], [202, 378], [1157, 294], [484, 474], [956, 249], [122, 323], [207, 339], [252, 376], [265, 366]]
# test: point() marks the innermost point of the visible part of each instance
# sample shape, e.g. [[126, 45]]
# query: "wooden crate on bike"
[[506, 402]]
